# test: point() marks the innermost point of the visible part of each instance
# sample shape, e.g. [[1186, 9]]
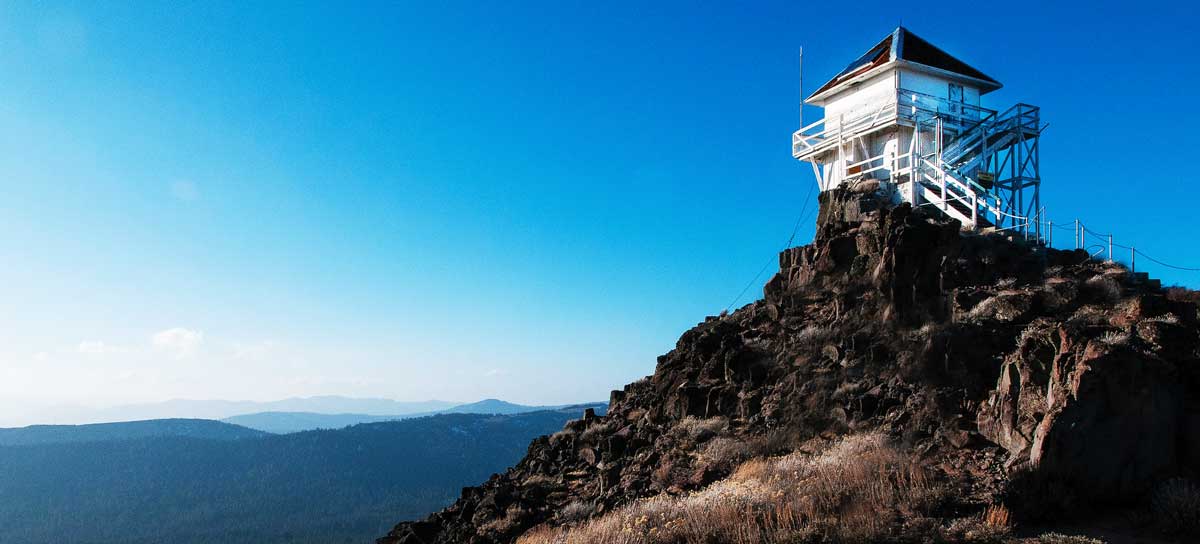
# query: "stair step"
[[1144, 277]]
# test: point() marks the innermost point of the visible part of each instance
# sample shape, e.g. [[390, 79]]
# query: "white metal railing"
[[905, 104], [826, 132], [915, 105]]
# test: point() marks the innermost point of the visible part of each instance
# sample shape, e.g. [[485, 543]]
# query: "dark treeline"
[[128, 430], [346, 485]]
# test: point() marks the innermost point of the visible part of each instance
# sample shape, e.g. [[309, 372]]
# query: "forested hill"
[[290, 422], [194, 428], [346, 485]]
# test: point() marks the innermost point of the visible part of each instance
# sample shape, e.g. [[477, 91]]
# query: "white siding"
[[935, 86], [869, 95]]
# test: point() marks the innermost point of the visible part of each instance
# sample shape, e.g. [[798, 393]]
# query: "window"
[[956, 98]]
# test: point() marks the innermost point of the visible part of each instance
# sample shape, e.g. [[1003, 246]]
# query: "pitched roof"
[[902, 45]]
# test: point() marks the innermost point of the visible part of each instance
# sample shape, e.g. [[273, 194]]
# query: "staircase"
[[966, 153], [948, 183], [958, 198]]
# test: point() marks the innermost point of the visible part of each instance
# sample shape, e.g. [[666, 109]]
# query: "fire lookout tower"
[[907, 114]]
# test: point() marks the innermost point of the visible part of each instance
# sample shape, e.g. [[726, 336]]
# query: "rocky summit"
[[1019, 375]]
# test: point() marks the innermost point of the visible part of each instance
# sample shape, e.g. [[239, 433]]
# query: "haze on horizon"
[[462, 201]]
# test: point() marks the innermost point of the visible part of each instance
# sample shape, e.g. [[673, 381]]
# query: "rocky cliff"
[[1007, 367]]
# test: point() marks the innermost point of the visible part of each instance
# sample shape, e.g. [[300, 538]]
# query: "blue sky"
[[460, 200]]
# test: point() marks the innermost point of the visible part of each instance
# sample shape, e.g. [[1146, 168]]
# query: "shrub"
[[575, 511], [1037, 495], [1183, 294], [1090, 315], [699, 430], [1176, 506], [595, 431], [985, 309], [814, 334], [726, 451], [1104, 288]]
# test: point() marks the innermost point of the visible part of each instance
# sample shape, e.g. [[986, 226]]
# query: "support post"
[[1050, 236], [1110, 256], [841, 169], [1133, 259], [1076, 234], [801, 70], [937, 161]]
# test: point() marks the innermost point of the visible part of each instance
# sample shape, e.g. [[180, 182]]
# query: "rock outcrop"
[[988, 355]]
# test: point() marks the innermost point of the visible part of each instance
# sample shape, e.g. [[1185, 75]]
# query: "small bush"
[[814, 334], [984, 309], [1037, 495], [1104, 288], [1183, 294], [575, 511], [726, 451], [1090, 315], [595, 431], [700, 430], [1176, 506]]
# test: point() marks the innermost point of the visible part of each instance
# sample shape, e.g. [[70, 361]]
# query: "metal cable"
[[804, 212], [1152, 259], [1106, 239]]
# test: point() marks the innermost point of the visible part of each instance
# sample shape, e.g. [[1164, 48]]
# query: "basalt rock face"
[[986, 355]]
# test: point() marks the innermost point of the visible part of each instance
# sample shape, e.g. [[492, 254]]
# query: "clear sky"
[[463, 200]]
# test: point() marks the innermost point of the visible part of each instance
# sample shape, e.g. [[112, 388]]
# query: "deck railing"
[[911, 106]]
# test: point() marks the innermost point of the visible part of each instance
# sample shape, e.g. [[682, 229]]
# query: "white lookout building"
[[908, 115]]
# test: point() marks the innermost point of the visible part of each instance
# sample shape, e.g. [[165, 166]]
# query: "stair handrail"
[[976, 191]]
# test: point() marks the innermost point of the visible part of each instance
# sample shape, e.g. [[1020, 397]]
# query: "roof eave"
[[818, 98], [984, 85]]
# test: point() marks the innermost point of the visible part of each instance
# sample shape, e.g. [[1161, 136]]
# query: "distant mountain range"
[[290, 422], [199, 482], [221, 409]]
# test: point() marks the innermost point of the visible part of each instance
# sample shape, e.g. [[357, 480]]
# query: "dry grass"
[[1059, 538], [860, 489], [997, 516], [1116, 338]]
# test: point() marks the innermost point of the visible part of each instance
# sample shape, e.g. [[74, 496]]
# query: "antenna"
[[801, 87]]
